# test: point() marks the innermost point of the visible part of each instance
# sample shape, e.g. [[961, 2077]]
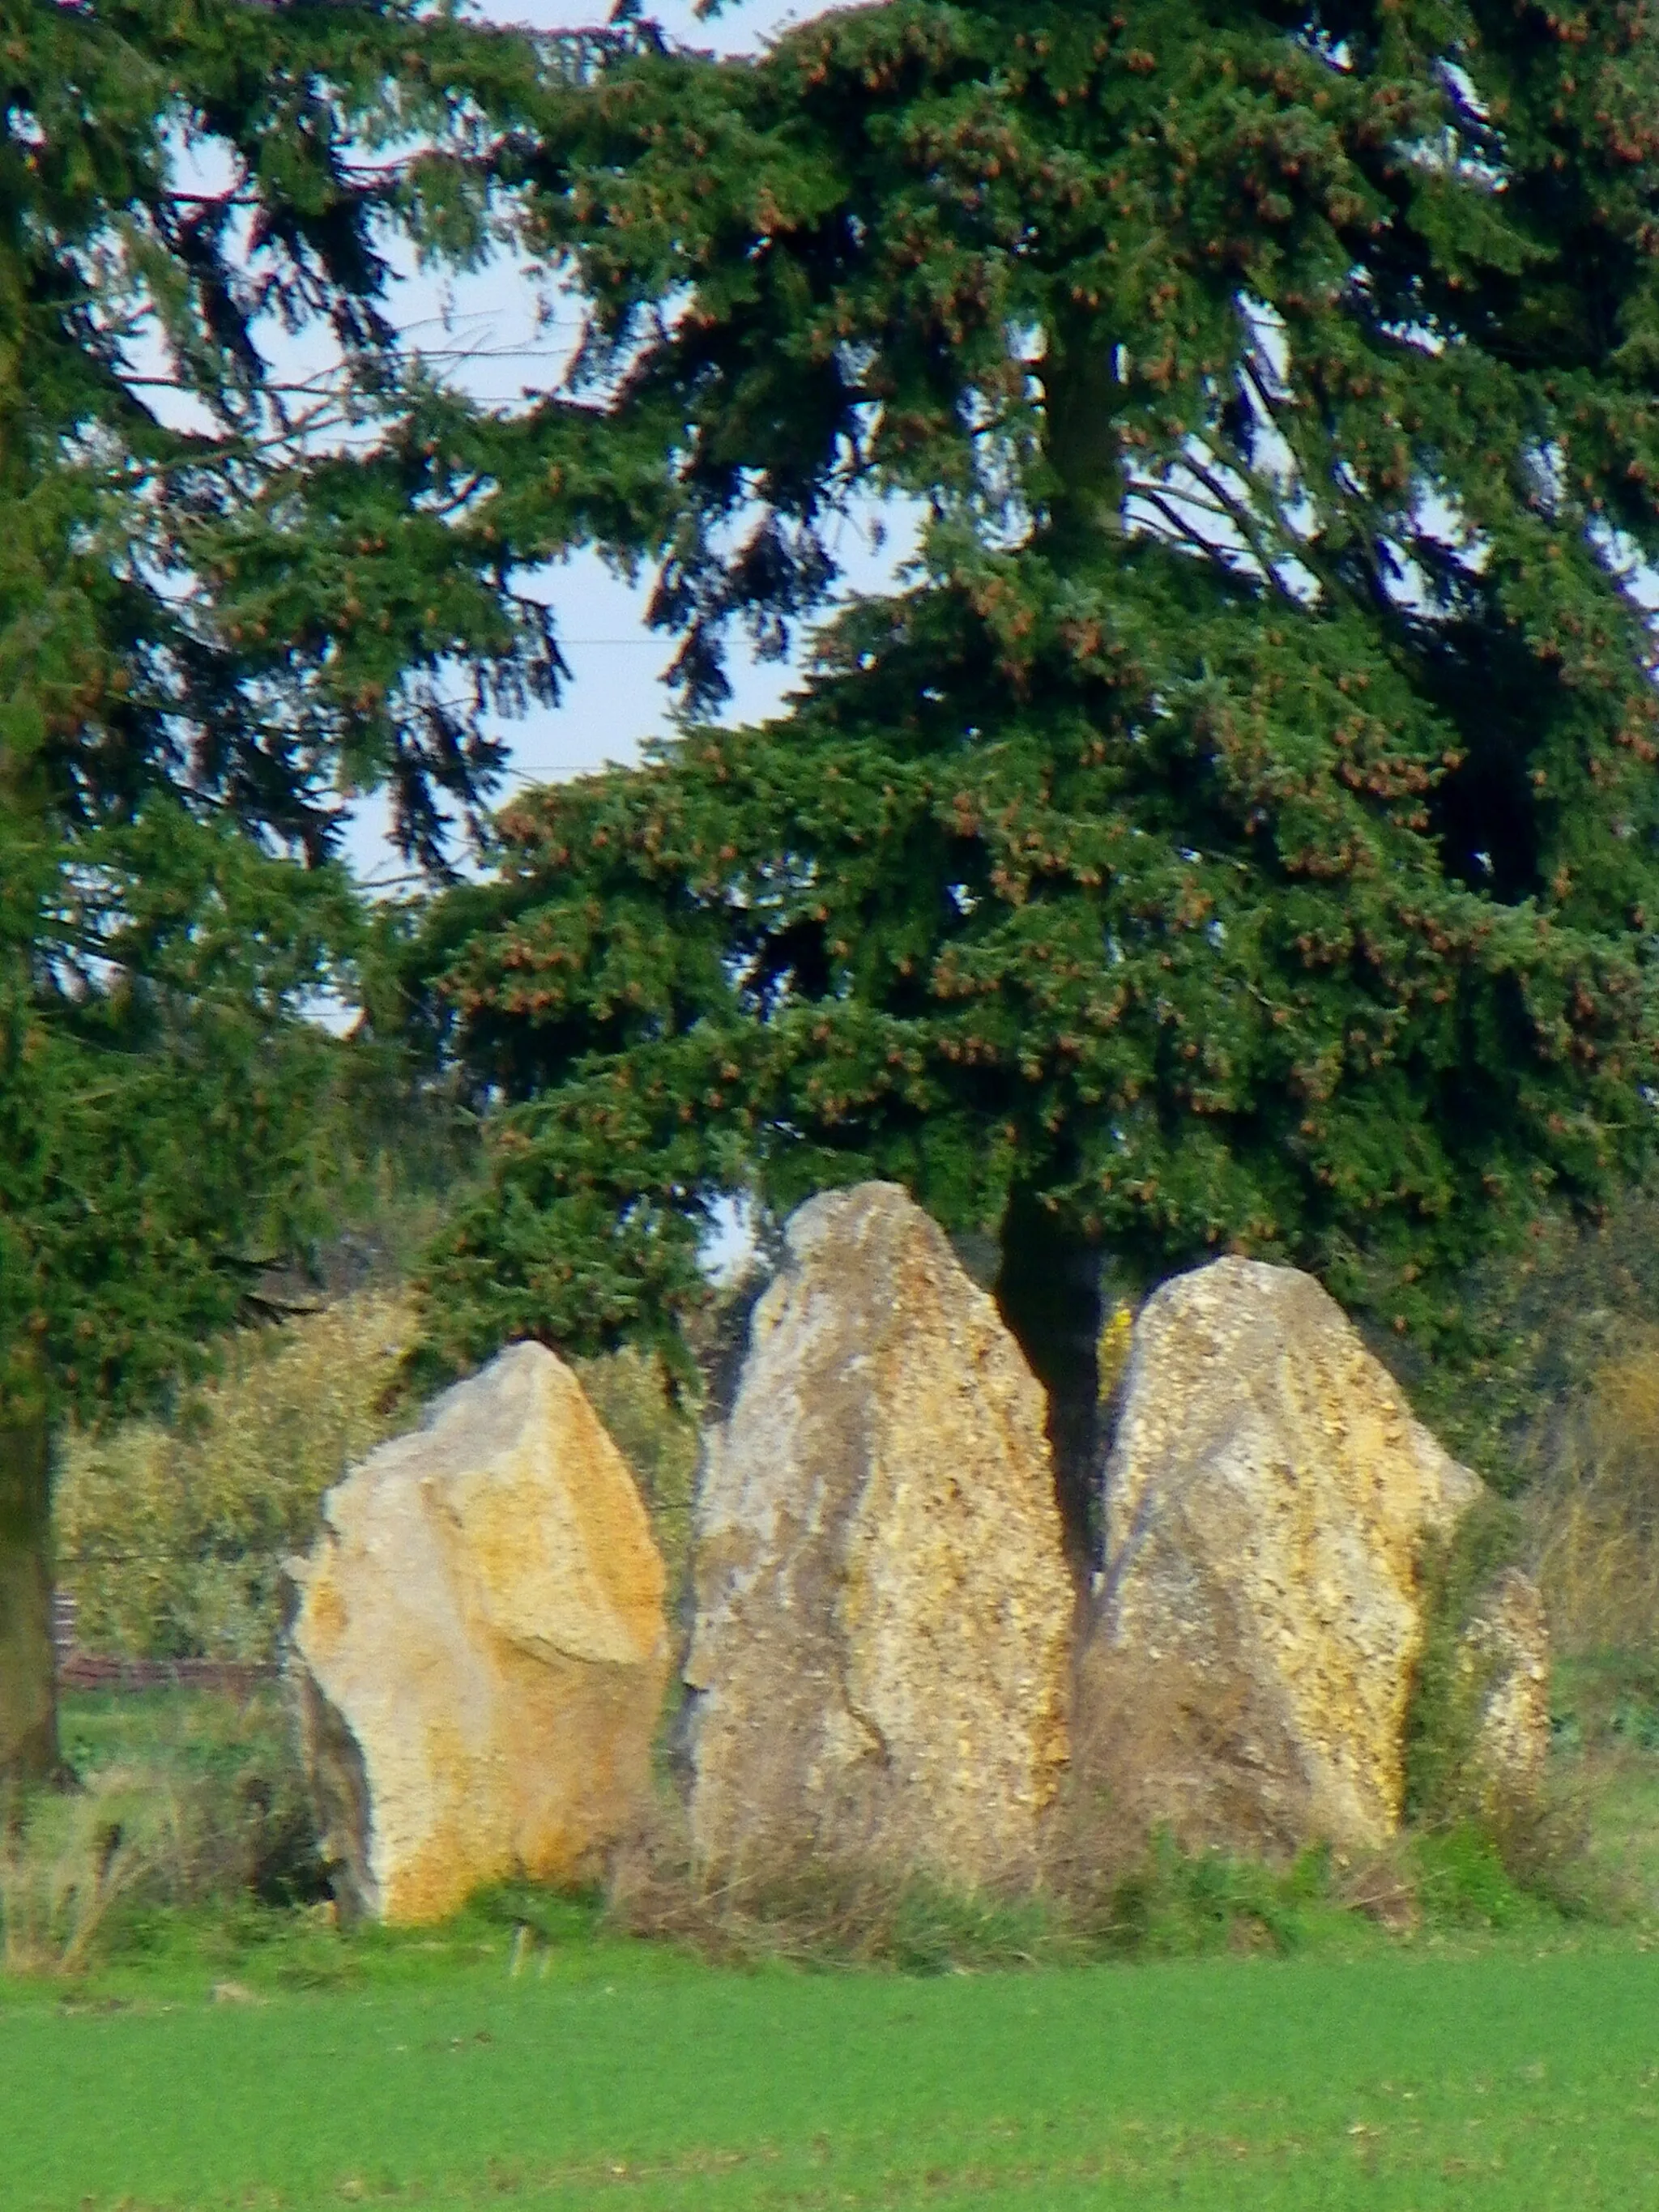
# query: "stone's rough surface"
[[480, 1648], [880, 1663], [1506, 1651], [1247, 1668]]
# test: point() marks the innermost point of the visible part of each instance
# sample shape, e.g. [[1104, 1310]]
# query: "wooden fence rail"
[[88, 1670]]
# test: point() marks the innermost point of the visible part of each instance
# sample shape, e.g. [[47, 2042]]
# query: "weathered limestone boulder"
[[1246, 1671], [879, 1662], [479, 1647], [1505, 1656]]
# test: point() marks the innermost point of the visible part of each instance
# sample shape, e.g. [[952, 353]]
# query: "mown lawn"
[[629, 2077]]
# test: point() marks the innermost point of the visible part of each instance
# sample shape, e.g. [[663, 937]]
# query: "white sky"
[[735, 30]]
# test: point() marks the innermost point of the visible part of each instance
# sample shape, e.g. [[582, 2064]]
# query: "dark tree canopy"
[[256, 559], [1242, 832], [254, 554], [163, 749]]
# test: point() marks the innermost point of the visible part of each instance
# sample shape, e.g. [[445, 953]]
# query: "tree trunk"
[[1082, 441], [1049, 1291], [28, 1684]]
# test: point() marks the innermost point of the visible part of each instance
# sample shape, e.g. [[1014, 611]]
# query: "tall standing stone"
[[480, 1648], [880, 1663], [1248, 1662]]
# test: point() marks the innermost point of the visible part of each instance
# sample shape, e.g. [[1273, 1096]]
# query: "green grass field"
[[1499, 2056], [630, 2076]]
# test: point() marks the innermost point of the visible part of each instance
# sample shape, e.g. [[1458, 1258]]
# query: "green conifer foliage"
[[253, 552], [253, 560], [1242, 833]]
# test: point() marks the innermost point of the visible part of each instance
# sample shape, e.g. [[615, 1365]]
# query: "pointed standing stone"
[[880, 1663]]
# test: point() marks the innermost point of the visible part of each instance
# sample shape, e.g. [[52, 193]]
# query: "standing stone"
[[880, 1663], [1249, 1662], [480, 1648]]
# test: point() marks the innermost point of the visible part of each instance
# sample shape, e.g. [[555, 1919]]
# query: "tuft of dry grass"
[[841, 1912], [67, 1859], [1595, 1514], [177, 1798], [1154, 1900]]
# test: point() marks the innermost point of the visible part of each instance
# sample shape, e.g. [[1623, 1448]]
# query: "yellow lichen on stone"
[[480, 1647], [1249, 1664], [880, 1663], [1112, 1349]]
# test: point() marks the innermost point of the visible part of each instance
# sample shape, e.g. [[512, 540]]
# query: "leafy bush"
[[172, 1535], [1463, 1881], [1447, 1694], [1561, 1411], [1535, 1332], [1178, 1904]]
